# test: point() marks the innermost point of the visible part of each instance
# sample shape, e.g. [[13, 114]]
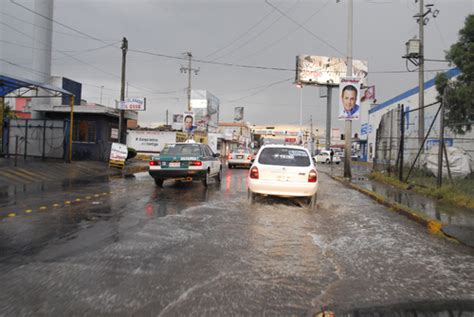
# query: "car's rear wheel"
[[206, 179], [230, 166], [328, 161], [251, 196], [159, 182], [312, 202], [219, 176]]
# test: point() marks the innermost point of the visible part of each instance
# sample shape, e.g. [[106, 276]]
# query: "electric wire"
[[304, 28]]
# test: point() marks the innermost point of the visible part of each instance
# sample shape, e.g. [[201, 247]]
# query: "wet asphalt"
[[102, 246]]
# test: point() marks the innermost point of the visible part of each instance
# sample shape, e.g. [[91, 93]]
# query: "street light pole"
[[348, 125]]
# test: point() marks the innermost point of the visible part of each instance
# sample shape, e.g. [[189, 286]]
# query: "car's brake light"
[[312, 176], [229, 157], [154, 163], [249, 158], [195, 163], [254, 173]]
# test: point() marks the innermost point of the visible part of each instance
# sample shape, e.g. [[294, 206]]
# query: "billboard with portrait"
[[238, 114], [188, 122], [349, 98], [324, 70]]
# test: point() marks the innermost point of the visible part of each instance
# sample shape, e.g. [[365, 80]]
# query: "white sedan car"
[[286, 171], [325, 158]]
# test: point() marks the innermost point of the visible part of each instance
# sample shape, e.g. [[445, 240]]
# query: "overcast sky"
[[243, 32]]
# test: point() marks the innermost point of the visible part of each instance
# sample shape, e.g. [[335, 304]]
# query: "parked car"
[[325, 157], [186, 162], [240, 157], [286, 171]]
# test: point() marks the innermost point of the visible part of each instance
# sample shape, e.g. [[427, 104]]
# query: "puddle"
[[445, 213]]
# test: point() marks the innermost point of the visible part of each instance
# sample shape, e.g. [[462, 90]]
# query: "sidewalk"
[[451, 221], [36, 170]]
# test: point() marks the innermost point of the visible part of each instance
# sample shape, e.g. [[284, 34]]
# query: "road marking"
[[43, 208], [55, 205], [7, 175], [28, 211], [88, 197], [78, 199], [67, 202], [96, 195], [12, 214], [22, 175], [36, 174]]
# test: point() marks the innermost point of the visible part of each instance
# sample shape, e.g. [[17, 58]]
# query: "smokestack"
[[43, 39]]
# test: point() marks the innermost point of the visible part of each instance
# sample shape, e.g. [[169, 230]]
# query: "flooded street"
[[124, 247]]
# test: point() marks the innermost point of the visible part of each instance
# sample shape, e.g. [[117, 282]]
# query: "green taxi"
[[185, 162]]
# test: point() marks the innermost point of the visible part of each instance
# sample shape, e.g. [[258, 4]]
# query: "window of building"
[[84, 132]]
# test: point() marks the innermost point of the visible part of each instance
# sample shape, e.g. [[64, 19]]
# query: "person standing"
[[331, 154]]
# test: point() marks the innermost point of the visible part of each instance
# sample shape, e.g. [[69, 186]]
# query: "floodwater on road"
[[124, 246]]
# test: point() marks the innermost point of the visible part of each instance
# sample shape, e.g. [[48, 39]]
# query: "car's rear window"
[[284, 156], [181, 149]]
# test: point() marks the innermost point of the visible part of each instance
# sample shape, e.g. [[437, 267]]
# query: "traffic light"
[[342, 136]]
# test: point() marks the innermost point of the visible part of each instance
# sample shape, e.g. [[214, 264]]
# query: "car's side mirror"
[[252, 160], [216, 155]]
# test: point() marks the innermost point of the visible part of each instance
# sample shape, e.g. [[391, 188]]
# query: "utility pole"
[[101, 88], [124, 47], [311, 138], [328, 117], [421, 78], [348, 125], [188, 70]]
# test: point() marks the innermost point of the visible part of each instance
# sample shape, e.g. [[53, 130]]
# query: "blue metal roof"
[[9, 84], [428, 84]]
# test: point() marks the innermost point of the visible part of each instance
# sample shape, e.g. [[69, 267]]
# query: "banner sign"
[[323, 70], [188, 122], [137, 104], [238, 114], [118, 153], [349, 98]]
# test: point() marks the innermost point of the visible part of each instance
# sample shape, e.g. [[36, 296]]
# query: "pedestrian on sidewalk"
[[331, 154]]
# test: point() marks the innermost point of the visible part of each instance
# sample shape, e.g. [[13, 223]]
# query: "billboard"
[[369, 93], [149, 141], [238, 114], [136, 104], [188, 122], [206, 110], [349, 98], [323, 70], [73, 87], [177, 123]]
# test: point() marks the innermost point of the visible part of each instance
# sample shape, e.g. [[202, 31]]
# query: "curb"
[[433, 226]]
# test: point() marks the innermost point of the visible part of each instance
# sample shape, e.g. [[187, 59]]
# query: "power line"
[[257, 35], [59, 23], [285, 35], [304, 28], [239, 37], [263, 89]]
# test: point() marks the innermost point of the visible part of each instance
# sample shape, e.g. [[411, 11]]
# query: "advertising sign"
[[177, 123], [238, 114], [149, 141], [118, 152], [323, 70], [369, 93], [136, 104], [206, 111], [188, 122], [349, 98]]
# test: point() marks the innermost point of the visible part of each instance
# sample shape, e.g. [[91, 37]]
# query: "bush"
[[131, 153]]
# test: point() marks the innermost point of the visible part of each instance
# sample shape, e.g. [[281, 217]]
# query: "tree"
[[459, 94]]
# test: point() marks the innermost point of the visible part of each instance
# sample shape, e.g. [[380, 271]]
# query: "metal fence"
[[36, 138], [400, 151]]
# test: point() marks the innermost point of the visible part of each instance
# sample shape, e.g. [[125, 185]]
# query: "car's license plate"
[[174, 164], [240, 156]]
